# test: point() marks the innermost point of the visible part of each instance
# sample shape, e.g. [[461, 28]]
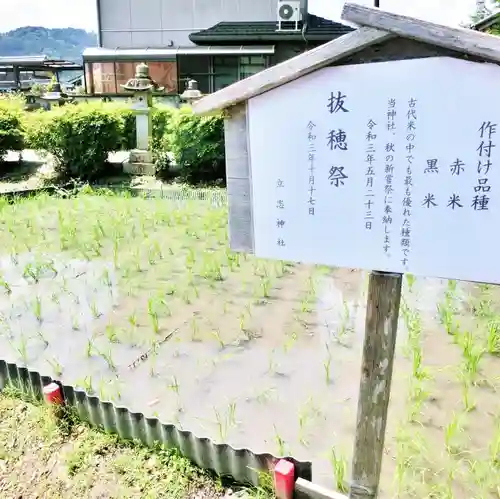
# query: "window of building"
[[195, 67], [211, 72], [226, 71], [251, 64], [229, 69], [7, 75]]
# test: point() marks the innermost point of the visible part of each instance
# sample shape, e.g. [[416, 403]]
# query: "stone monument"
[[140, 161]]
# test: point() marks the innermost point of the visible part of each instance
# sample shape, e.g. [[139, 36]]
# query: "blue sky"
[[81, 13]]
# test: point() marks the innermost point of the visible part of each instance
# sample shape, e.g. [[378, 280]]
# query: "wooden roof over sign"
[[376, 26]]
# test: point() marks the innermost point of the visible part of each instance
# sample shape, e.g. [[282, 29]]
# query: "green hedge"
[[197, 143], [11, 132], [80, 137]]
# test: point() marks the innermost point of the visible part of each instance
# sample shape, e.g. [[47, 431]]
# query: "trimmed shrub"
[[197, 143], [128, 130], [11, 133], [162, 118], [79, 137]]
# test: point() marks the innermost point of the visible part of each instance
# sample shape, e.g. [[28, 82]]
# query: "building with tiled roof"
[[215, 42]]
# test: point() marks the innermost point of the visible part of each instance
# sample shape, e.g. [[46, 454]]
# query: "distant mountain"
[[64, 43]]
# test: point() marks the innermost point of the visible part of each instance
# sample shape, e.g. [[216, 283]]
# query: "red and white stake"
[[284, 479], [53, 394]]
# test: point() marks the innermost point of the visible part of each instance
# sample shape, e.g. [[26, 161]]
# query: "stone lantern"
[[55, 96], [192, 93], [142, 86]]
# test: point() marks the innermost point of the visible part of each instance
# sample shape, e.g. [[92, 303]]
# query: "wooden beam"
[[239, 184], [460, 39], [290, 70], [307, 490], [384, 296]]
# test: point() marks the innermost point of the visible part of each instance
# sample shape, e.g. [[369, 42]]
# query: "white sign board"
[[391, 166]]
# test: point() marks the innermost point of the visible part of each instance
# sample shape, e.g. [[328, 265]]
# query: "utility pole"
[[376, 3]]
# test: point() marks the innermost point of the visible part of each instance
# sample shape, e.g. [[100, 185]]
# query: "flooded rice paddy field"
[[258, 354]]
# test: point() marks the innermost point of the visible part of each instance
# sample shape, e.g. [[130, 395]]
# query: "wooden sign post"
[[378, 150], [382, 312]]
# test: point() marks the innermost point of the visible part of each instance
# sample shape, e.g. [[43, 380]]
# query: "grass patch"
[[41, 458]]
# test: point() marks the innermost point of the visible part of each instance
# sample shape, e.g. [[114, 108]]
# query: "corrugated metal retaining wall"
[[242, 464]]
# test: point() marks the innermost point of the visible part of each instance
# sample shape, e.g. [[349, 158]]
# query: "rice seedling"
[[86, 384], [186, 298], [222, 425], [102, 390], [339, 468], [410, 279], [116, 247], [94, 309], [137, 257], [483, 309], [153, 316], [174, 385], [242, 323], [271, 363], [280, 443], [311, 286], [21, 348], [56, 366], [212, 270], [493, 338], [108, 357], [446, 314], [153, 359], [417, 396], [418, 371], [305, 306], [265, 284], [89, 349], [472, 355], [76, 297], [281, 268], [132, 320], [106, 279], [265, 395], [116, 393], [304, 417], [467, 401], [451, 435], [195, 330], [111, 333], [327, 363], [14, 258], [290, 341], [218, 337], [190, 258], [231, 418], [75, 323], [37, 309], [5, 286], [32, 272], [42, 338], [494, 449]]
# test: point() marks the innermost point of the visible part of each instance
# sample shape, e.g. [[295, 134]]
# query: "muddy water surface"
[[282, 382]]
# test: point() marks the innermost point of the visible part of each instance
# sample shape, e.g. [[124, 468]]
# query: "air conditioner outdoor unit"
[[289, 13]]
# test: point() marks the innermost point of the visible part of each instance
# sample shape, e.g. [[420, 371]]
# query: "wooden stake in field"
[[373, 151], [382, 312]]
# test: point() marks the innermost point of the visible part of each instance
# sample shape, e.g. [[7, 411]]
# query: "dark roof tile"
[[318, 28]]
